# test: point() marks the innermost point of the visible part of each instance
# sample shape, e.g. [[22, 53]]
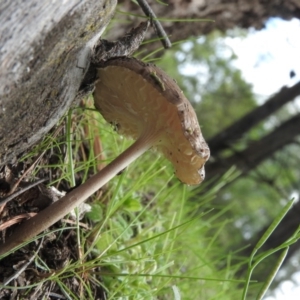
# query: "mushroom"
[[142, 102]]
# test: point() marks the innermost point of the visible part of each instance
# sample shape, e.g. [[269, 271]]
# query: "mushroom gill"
[[141, 100]]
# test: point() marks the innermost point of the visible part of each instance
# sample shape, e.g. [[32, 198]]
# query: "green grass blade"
[[272, 274], [273, 226]]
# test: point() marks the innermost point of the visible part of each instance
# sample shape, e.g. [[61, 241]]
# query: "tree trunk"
[[45, 51], [258, 151], [227, 137]]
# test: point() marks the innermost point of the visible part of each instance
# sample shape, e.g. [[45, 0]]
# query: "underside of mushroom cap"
[[140, 99]]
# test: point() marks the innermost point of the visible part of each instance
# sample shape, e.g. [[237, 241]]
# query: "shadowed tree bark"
[[225, 15], [44, 54]]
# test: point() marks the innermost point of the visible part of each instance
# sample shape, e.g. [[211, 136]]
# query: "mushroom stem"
[[53, 213]]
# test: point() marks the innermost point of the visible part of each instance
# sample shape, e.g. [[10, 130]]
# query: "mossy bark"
[[44, 54]]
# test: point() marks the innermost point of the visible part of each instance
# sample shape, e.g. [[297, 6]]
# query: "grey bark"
[[45, 48]]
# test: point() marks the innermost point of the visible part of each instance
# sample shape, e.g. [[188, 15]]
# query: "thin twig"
[[15, 220], [158, 28], [55, 295], [11, 197], [17, 274], [33, 165]]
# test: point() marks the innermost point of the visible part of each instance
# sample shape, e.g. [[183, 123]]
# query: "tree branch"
[[232, 133], [45, 53], [258, 151]]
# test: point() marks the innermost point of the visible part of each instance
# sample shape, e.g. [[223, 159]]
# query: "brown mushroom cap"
[[140, 99]]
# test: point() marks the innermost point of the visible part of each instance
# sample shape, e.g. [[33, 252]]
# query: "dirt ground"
[[28, 272]]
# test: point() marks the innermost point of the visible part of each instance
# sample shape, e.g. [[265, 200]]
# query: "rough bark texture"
[[44, 54], [225, 14]]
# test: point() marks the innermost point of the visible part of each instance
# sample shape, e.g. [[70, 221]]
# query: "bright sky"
[[266, 58]]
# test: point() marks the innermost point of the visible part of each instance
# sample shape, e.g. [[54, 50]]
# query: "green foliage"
[[204, 68], [148, 240], [151, 238], [254, 261]]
